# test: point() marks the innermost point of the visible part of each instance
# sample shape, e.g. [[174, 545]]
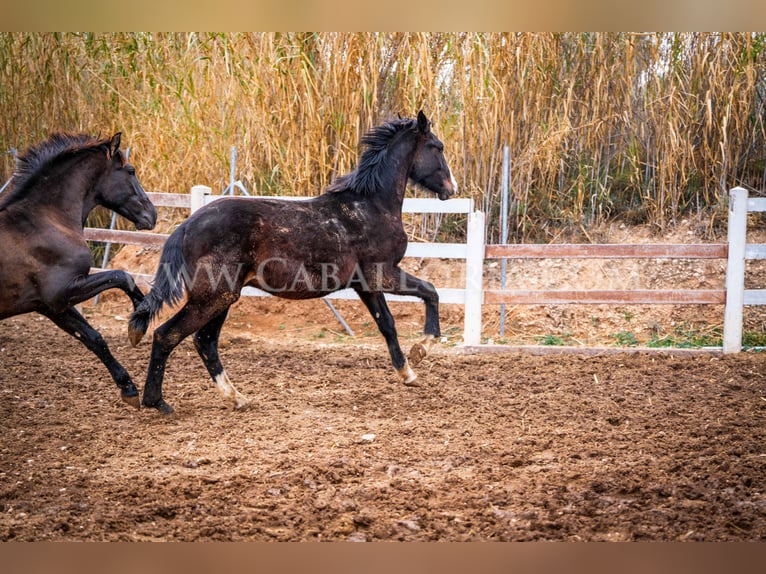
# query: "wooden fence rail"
[[610, 251]]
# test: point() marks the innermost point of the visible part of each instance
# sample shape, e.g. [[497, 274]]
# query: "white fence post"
[[735, 271], [474, 278], [198, 196]]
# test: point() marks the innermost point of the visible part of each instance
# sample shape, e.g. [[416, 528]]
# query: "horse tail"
[[167, 288]]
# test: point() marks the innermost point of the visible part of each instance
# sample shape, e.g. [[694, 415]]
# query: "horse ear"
[[114, 145], [423, 124]]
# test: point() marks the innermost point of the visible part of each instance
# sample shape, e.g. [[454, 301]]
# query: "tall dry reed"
[[644, 127]]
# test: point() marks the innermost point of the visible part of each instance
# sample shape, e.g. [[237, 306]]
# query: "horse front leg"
[[75, 324], [85, 287], [378, 308], [404, 283]]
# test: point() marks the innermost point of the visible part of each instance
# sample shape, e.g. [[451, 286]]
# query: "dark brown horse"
[[349, 237], [45, 261]]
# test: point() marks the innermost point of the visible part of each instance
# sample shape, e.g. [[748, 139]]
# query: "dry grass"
[[646, 127]]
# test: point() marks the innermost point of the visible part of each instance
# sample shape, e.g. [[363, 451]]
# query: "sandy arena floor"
[[510, 446]]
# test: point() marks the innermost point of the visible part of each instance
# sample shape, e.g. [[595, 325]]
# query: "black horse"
[[45, 261], [349, 237]]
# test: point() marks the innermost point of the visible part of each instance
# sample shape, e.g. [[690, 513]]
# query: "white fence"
[[474, 296], [739, 252]]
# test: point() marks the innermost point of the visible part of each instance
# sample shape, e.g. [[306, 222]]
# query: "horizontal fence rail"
[[603, 297], [610, 251], [736, 251], [125, 237]]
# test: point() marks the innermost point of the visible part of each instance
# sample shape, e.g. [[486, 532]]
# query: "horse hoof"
[[417, 354], [419, 350], [135, 337], [242, 404], [163, 408], [132, 400], [408, 376]]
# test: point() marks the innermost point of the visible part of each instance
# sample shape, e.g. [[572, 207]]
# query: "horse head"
[[121, 191], [429, 167]]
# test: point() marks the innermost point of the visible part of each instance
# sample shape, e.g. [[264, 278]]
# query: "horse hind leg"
[[166, 338], [75, 324], [206, 343]]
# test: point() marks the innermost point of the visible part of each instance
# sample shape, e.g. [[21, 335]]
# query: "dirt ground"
[[609, 444], [513, 446]]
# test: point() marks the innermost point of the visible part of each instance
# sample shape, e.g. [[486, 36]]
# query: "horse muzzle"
[[147, 220], [448, 189]]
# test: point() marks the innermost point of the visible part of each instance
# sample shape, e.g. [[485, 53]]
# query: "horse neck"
[[393, 195], [400, 164], [68, 190]]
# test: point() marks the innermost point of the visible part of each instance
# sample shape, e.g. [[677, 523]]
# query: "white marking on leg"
[[407, 375], [229, 393]]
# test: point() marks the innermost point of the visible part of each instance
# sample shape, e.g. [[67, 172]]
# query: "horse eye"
[[130, 169]]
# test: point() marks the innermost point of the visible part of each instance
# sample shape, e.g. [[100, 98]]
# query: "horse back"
[[314, 227], [293, 248]]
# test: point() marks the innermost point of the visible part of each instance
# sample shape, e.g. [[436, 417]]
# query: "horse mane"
[[366, 179], [40, 157]]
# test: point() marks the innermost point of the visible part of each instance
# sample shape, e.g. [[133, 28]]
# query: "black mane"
[[366, 178], [40, 157]]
